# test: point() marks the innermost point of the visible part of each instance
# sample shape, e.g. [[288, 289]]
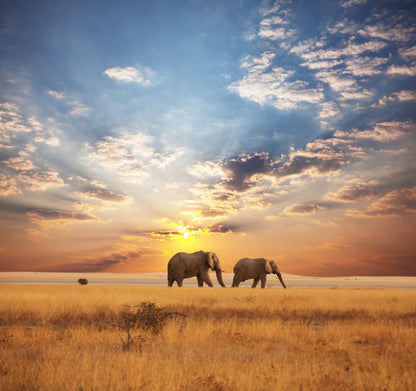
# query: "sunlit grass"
[[66, 338]]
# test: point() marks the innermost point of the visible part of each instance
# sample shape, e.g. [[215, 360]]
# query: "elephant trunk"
[[279, 276], [219, 277]]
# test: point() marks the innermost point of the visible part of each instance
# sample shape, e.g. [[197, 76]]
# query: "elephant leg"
[[207, 280], [263, 281], [255, 282], [170, 283], [179, 281], [200, 281], [236, 282]]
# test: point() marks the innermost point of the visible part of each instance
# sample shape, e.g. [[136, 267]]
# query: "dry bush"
[[148, 317]]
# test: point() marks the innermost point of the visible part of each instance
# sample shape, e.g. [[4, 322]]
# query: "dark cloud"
[[57, 214], [220, 228], [303, 209], [355, 192], [244, 167], [301, 164]]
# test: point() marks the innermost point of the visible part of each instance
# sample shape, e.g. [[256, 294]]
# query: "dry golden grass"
[[65, 338]]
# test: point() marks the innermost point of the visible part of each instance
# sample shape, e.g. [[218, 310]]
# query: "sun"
[[186, 235]]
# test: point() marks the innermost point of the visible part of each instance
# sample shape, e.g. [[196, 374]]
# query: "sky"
[[132, 130]]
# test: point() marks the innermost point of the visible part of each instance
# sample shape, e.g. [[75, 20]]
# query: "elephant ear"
[[210, 260], [268, 267]]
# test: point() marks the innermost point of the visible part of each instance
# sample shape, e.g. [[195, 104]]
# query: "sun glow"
[[186, 235]]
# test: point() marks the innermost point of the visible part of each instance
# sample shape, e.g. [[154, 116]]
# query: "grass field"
[[68, 338]]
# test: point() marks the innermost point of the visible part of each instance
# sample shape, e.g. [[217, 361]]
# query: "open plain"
[[57, 337]]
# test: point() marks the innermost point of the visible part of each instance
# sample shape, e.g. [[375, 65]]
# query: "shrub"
[[82, 281], [146, 317]]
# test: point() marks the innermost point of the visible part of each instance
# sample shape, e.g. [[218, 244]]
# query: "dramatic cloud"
[[244, 171]]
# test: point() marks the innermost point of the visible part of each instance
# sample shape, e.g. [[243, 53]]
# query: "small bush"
[[146, 317], [82, 281]]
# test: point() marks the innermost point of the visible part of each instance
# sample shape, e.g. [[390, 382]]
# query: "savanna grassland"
[[71, 338]]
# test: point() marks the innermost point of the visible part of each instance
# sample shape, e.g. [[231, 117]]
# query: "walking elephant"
[[184, 265], [246, 269]]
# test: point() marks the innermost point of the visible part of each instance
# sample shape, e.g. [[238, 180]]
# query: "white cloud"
[[351, 3], [207, 170], [131, 155], [143, 76], [351, 49], [402, 70], [388, 32], [346, 86], [365, 66], [78, 109], [270, 86], [56, 95], [329, 109], [401, 96], [381, 132], [408, 53]]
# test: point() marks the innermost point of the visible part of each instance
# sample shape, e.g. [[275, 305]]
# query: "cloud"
[[111, 262], [164, 159], [365, 66], [328, 110], [107, 195], [8, 186], [408, 53], [402, 70], [11, 122], [40, 180], [78, 109], [123, 155], [352, 193], [14, 124], [143, 76], [382, 132], [241, 170], [395, 203], [351, 3], [131, 155], [220, 228], [56, 95], [269, 85], [56, 214], [401, 96], [302, 209], [207, 169], [20, 163]]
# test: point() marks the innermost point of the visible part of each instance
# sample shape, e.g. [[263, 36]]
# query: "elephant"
[[257, 269], [184, 265]]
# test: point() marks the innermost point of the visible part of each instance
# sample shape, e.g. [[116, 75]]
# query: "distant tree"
[[82, 281]]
